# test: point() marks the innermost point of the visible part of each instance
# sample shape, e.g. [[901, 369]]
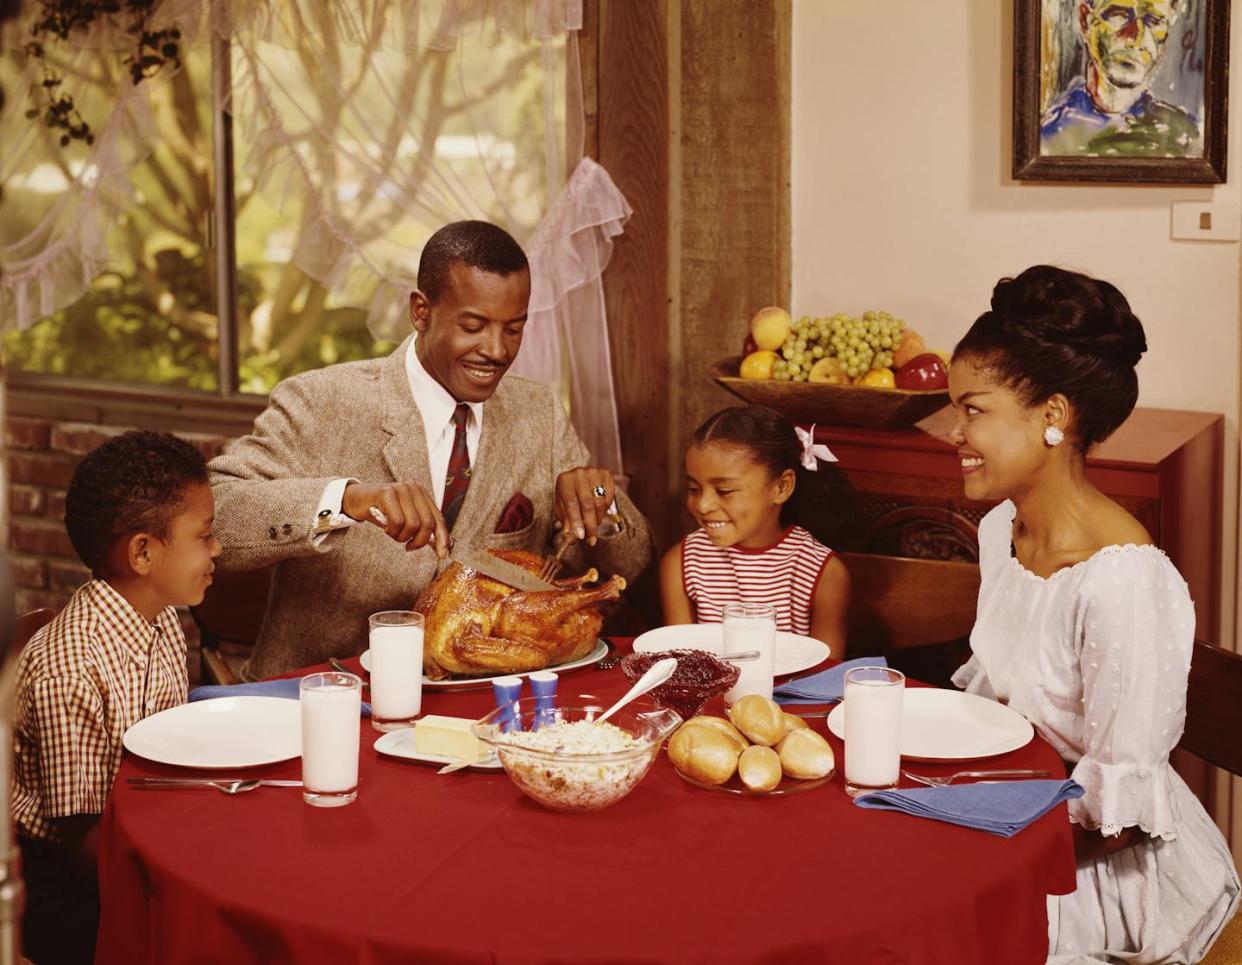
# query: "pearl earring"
[[1053, 436]]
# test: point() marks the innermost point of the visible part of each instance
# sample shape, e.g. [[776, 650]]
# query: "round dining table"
[[463, 867]]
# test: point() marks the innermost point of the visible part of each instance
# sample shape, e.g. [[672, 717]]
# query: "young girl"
[[763, 502], [1084, 626]]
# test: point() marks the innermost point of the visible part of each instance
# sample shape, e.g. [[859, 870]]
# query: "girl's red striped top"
[[784, 575]]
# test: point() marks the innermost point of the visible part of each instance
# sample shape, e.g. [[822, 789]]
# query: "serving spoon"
[[656, 674]]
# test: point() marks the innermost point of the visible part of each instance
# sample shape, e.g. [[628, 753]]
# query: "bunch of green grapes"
[[860, 343]]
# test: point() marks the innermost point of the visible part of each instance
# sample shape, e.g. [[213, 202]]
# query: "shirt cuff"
[[328, 517]]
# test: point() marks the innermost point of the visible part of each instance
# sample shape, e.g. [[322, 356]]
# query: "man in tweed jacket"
[[337, 443]]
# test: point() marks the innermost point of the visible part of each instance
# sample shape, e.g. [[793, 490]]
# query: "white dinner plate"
[[947, 725], [220, 732], [466, 683], [400, 743], [794, 652]]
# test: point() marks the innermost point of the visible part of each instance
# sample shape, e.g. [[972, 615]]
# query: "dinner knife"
[[500, 570]]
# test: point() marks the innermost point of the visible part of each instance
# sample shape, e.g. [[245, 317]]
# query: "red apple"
[[923, 372], [749, 346]]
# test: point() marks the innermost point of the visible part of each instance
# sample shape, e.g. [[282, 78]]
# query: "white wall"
[[902, 200]]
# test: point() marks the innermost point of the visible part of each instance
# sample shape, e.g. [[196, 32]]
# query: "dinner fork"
[[934, 781], [552, 563]]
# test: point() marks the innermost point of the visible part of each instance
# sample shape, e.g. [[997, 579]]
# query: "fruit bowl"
[[828, 404]]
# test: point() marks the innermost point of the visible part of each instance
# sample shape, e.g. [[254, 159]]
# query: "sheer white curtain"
[[375, 122]]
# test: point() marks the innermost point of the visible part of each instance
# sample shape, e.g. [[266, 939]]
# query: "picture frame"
[[1121, 90]]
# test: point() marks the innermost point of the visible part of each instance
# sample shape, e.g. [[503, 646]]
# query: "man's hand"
[[583, 496], [406, 512]]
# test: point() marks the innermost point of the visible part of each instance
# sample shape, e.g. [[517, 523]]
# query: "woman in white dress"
[[1084, 626]]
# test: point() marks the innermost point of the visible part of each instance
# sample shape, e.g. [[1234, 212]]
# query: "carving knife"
[[500, 570]]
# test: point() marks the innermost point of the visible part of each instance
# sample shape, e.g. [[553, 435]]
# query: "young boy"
[[139, 513]]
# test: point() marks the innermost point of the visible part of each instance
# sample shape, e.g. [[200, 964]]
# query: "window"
[[345, 159]]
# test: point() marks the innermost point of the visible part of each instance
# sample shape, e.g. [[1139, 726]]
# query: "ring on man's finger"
[[600, 492]]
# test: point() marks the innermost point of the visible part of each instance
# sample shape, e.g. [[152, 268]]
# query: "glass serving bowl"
[[565, 779], [699, 677]]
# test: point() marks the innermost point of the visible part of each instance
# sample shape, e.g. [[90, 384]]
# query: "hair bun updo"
[[1054, 331], [1064, 307]]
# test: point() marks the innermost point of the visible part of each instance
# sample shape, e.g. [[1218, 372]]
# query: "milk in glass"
[[396, 658], [331, 711], [751, 626], [872, 728]]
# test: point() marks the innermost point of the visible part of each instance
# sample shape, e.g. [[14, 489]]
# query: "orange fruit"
[[757, 365]]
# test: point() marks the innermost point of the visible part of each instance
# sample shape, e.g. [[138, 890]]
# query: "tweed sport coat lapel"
[[405, 452]]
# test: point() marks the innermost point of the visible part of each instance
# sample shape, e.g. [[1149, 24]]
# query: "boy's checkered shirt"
[[82, 681]]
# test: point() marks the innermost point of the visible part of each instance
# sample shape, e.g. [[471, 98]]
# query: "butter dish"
[[400, 743]]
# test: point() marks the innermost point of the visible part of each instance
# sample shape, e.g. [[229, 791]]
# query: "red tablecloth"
[[465, 868]]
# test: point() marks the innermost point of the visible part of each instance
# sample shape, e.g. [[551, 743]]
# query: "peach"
[[770, 327]]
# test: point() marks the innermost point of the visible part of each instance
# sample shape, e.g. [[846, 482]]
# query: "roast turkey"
[[476, 626]]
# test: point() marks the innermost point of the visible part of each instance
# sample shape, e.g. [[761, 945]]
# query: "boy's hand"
[[583, 496], [405, 511]]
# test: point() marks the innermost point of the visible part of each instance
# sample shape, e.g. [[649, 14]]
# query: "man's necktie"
[[458, 468]]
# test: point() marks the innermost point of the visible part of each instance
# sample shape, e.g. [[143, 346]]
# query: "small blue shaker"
[[543, 684], [507, 691]]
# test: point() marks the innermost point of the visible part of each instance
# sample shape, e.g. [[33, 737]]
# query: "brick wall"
[[42, 454]]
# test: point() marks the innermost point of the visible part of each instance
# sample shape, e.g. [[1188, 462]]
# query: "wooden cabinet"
[[1164, 466]]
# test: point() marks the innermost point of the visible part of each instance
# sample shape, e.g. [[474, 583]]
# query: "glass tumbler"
[[751, 626], [396, 651], [331, 730], [873, 697]]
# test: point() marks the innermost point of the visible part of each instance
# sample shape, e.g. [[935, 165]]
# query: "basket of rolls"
[[760, 749]]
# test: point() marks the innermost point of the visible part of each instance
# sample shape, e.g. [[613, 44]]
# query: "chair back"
[[897, 602], [917, 614], [28, 624], [1214, 707]]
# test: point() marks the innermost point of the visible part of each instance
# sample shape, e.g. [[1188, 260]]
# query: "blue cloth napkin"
[[825, 687], [1003, 808], [287, 687]]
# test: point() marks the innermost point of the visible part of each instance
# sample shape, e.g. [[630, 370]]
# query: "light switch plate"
[[1206, 221]]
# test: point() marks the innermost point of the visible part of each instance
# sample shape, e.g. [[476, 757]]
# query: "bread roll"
[[703, 753], [805, 754], [793, 722], [760, 719], [759, 768], [721, 725]]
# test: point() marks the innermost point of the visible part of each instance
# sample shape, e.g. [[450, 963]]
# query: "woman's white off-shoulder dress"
[[1096, 657]]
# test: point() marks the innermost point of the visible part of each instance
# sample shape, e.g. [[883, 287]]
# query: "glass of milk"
[[396, 660], [872, 729], [331, 712], [751, 626]]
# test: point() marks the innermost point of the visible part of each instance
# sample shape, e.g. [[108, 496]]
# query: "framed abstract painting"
[[1120, 90]]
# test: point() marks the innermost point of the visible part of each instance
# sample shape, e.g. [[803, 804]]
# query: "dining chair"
[[28, 624], [916, 613], [1213, 723], [228, 622]]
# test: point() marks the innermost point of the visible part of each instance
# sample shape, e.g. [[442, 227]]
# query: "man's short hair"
[[476, 244], [133, 483]]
